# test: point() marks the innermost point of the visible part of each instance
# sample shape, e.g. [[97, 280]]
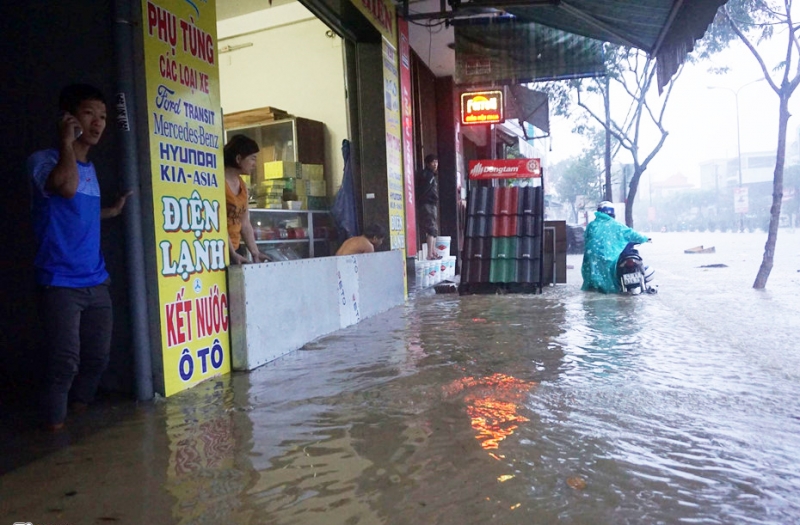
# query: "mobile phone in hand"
[[78, 129]]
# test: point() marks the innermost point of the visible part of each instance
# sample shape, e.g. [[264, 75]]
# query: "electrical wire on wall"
[[438, 26]]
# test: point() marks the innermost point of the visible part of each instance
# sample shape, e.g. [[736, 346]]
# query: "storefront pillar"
[[372, 134], [446, 111], [129, 168]]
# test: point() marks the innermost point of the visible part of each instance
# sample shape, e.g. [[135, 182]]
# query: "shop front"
[[167, 255], [299, 88]]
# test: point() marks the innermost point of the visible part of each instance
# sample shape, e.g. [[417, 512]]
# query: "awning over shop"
[[521, 104], [665, 29], [529, 106], [504, 50]]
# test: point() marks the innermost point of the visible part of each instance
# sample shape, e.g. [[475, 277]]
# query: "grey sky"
[[702, 122]]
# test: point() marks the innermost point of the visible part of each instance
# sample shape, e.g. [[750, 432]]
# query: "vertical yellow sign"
[[394, 147], [185, 129], [394, 152]]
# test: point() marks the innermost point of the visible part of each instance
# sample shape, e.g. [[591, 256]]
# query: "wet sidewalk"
[[564, 407], [339, 432]]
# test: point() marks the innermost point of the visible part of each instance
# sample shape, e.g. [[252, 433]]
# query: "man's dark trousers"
[[77, 324]]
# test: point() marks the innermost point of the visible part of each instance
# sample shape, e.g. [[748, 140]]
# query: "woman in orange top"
[[240, 157]]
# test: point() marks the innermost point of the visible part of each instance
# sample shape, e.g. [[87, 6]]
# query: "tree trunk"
[[632, 189], [777, 194]]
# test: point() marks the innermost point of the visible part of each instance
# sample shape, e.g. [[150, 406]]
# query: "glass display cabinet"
[[287, 138], [287, 235], [291, 149]]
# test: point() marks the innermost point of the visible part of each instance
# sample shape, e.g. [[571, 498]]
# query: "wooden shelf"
[[282, 241], [254, 117]]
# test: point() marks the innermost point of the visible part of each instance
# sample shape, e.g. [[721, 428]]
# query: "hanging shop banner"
[[506, 51], [185, 130], [505, 169], [741, 200], [394, 147], [407, 116], [381, 14], [482, 107]]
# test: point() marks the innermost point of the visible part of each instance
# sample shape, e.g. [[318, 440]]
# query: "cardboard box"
[[270, 198], [273, 184], [265, 154], [266, 192], [269, 202], [312, 171], [315, 188], [281, 169]]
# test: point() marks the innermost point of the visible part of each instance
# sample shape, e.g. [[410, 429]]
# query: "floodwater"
[[568, 407]]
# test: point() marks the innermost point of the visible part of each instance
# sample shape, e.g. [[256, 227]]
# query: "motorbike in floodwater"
[[634, 277]]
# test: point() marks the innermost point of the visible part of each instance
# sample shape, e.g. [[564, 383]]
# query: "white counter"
[[278, 307]]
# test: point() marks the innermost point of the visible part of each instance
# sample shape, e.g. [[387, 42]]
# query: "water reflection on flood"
[[205, 474], [568, 407], [492, 404]]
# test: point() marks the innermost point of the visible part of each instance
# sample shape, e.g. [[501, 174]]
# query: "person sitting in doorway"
[[373, 237]]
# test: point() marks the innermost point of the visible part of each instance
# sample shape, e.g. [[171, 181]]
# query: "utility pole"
[[607, 102], [739, 152], [738, 135]]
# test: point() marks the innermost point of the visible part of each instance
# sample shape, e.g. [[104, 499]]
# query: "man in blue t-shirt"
[[74, 301]]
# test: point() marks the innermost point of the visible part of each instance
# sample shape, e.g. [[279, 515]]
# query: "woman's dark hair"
[[375, 230], [236, 146], [430, 158], [72, 96]]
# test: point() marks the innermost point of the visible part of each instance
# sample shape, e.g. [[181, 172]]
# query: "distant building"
[[675, 184], [758, 166], [793, 148], [718, 174]]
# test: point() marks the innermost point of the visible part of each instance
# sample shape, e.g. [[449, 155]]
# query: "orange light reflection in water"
[[492, 404], [494, 421]]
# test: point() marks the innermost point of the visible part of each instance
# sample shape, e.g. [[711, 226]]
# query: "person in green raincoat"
[[605, 239]]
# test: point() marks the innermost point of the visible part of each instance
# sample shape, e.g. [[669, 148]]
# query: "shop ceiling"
[[230, 8], [665, 29]]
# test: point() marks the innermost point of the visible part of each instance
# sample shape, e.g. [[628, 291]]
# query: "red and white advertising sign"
[[505, 169], [408, 137]]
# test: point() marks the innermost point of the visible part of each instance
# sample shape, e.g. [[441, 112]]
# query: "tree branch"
[[655, 150], [752, 49], [614, 132]]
